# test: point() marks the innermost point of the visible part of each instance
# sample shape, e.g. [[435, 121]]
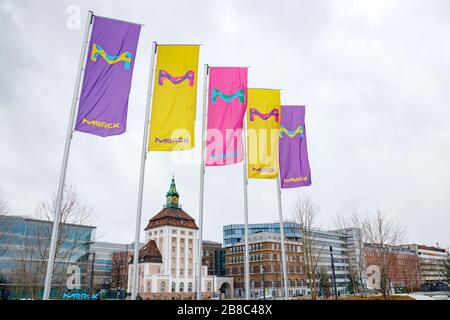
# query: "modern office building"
[[232, 233], [101, 258], [266, 277], [432, 262], [24, 247], [343, 243], [213, 257]]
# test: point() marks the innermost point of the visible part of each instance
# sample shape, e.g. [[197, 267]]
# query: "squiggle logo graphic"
[[97, 50], [227, 97], [224, 155], [163, 74], [264, 116], [292, 133]]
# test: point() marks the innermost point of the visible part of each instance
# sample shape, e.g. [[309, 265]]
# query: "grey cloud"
[[374, 77]]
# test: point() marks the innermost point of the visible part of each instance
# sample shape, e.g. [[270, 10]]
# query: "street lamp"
[[334, 274], [264, 283], [91, 282]]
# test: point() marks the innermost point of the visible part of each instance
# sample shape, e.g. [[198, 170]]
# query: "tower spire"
[[172, 196]]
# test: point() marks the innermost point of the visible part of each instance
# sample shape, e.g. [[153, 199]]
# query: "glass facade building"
[[101, 255], [24, 246], [232, 233]]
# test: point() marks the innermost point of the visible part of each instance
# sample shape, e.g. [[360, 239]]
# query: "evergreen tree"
[[324, 284]]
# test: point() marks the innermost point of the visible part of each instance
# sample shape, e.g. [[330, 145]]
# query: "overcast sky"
[[375, 76]]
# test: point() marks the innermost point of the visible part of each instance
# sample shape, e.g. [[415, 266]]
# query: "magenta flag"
[[293, 153], [226, 108], [107, 77]]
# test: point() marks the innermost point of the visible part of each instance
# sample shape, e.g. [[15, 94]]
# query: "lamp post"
[[91, 282], [264, 283], [334, 274]]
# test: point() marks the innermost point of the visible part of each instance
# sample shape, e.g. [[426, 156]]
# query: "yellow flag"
[[263, 123], [174, 98]]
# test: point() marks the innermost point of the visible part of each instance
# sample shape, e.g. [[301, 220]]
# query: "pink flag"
[[226, 108]]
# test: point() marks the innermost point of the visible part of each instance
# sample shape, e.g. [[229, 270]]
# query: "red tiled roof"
[[173, 217], [149, 253]]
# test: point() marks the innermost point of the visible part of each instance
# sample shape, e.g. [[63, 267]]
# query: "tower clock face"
[[175, 200]]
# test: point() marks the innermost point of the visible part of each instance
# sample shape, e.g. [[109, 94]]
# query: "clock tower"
[[172, 196]]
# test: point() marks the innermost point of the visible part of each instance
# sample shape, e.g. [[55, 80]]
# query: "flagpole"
[[62, 177], [245, 180], [202, 181], [134, 290], [283, 247]]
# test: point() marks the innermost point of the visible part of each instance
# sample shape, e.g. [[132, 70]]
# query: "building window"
[[173, 286], [162, 286], [190, 286], [209, 287], [181, 286]]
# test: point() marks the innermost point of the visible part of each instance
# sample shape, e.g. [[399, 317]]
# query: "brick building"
[[266, 266], [402, 264]]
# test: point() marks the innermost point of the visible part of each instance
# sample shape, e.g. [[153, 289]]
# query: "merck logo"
[[295, 180], [81, 296], [264, 170], [101, 124], [172, 140]]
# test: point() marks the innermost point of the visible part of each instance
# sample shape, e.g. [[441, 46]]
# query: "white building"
[[167, 260], [432, 262]]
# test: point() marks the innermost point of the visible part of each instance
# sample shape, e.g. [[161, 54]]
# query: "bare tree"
[[3, 225], [305, 214], [382, 237], [355, 225], [72, 243], [3, 205]]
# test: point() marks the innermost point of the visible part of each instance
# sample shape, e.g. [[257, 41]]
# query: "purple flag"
[[294, 164], [107, 77]]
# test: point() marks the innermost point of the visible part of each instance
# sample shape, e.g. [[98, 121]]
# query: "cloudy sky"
[[374, 75]]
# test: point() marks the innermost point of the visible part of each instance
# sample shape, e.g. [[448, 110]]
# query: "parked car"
[[435, 286]]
